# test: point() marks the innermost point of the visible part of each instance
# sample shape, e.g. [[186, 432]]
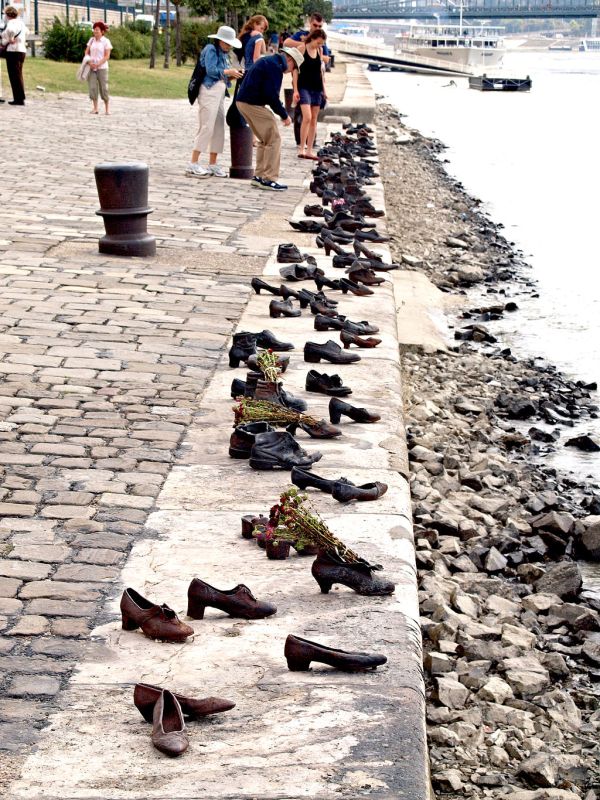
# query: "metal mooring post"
[[241, 153], [123, 193]]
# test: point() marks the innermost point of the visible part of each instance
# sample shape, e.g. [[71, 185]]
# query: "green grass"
[[131, 78]]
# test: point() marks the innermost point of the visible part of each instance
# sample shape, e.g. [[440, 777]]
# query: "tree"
[[167, 35], [178, 56], [323, 7], [154, 47]]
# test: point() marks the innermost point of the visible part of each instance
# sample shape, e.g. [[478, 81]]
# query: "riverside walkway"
[[114, 420]]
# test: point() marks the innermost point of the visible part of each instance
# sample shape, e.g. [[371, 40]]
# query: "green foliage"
[[65, 41], [323, 7], [128, 43], [282, 14], [194, 35]]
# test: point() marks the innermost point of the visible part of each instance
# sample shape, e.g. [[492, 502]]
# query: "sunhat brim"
[[232, 42]]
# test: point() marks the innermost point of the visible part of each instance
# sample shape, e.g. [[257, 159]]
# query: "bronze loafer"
[[237, 602], [168, 727], [156, 621], [145, 697]]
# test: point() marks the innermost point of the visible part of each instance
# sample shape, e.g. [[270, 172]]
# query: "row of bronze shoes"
[[344, 167], [168, 711]]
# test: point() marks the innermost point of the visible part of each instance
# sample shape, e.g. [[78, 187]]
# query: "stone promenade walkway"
[[103, 363]]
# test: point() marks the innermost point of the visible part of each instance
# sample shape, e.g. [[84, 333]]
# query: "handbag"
[[196, 80]]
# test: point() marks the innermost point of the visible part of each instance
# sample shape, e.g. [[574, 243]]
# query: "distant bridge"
[[476, 9]]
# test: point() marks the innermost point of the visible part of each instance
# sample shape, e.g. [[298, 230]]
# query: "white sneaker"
[[196, 171], [217, 170]]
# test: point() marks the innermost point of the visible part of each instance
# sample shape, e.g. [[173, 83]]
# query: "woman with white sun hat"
[[210, 137]]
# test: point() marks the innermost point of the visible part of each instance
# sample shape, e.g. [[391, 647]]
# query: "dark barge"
[[497, 84]]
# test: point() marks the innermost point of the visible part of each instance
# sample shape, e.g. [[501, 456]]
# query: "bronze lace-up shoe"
[[156, 621], [237, 602]]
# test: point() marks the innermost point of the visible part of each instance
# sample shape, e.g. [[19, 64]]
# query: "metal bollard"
[[123, 194], [241, 153]]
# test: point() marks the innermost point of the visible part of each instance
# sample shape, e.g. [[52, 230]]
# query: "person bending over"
[[261, 87]]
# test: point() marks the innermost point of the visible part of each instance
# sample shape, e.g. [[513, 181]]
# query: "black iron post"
[[241, 153], [123, 193]]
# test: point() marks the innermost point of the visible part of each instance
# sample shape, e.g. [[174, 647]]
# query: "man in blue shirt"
[[316, 23], [261, 87]]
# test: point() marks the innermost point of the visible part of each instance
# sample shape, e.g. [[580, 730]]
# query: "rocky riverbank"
[[512, 644]]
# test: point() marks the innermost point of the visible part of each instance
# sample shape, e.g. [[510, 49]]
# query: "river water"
[[533, 160]]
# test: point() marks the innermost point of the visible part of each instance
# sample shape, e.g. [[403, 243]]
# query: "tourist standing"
[[210, 137], [98, 49], [14, 36], [311, 91], [261, 87], [252, 39], [316, 23]]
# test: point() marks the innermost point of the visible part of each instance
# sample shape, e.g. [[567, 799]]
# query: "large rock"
[[518, 637], [450, 693], [527, 684], [495, 691], [447, 780], [588, 542], [539, 770], [557, 522], [563, 579], [591, 651]]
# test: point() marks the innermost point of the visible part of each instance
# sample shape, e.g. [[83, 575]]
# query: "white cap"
[[294, 54], [227, 35]]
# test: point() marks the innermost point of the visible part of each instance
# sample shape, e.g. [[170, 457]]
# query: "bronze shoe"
[[145, 697], [347, 338], [329, 568], [282, 362], [168, 727], [300, 652], [237, 602], [157, 622]]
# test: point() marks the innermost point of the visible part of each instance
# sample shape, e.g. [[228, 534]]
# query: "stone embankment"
[[512, 644]]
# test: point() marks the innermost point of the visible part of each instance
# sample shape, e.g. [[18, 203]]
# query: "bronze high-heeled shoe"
[[300, 652], [347, 338], [237, 602], [329, 568]]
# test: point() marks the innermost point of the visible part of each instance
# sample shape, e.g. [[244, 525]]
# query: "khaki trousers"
[[210, 137], [263, 123]]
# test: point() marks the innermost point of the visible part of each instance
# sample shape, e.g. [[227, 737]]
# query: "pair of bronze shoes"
[[161, 622], [165, 710]]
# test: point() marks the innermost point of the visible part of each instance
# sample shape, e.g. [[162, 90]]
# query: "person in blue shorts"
[[311, 91]]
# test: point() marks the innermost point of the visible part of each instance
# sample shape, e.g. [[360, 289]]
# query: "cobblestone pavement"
[[103, 364]]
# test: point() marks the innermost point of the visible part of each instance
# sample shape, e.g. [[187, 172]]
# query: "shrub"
[[128, 43], [64, 41], [194, 35]]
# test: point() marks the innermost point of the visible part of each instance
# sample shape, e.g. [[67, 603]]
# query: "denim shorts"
[[310, 98]]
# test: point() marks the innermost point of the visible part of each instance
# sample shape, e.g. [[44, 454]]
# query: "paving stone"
[[61, 608], [10, 606], [72, 498], [26, 570], [65, 512], [33, 685], [86, 573], [70, 627], [29, 625], [13, 709], [41, 552], [58, 589], [16, 510], [9, 587], [99, 556], [126, 501]]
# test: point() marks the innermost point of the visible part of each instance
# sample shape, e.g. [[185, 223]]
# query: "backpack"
[[196, 80]]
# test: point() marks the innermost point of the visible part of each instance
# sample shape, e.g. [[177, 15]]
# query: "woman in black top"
[[311, 91]]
